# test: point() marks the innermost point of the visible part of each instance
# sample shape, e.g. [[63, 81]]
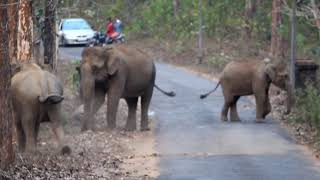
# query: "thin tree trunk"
[[276, 39], [200, 50], [6, 149], [249, 12], [25, 31], [129, 10], [50, 48], [316, 13], [175, 8], [291, 89]]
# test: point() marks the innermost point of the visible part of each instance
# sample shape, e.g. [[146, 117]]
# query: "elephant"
[[118, 71], [250, 77], [36, 97]]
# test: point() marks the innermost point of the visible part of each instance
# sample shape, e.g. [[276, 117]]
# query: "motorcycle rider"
[[111, 33]]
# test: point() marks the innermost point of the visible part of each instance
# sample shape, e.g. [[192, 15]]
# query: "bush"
[[307, 110], [74, 76]]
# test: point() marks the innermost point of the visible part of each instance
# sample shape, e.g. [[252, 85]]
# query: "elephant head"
[[97, 66], [278, 74]]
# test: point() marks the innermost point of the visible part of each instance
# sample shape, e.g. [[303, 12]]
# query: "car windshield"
[[73, 25]]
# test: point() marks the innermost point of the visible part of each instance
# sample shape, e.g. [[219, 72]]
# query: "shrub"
[[307, 110]]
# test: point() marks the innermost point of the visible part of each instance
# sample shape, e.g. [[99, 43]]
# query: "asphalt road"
[[195, 144]]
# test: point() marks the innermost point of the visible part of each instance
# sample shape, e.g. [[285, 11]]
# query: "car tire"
[[63, 42]]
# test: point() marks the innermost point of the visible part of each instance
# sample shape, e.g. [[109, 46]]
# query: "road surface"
[[195, 144]]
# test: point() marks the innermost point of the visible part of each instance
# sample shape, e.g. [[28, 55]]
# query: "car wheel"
[[63, 42]]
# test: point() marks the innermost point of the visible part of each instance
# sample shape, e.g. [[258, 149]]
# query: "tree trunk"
[[316, 13], [129, 13], [276, 38], [25, 32], [200, 40], [13, 30], [50, 46], [175, 7], [249, 12], [6, 149]]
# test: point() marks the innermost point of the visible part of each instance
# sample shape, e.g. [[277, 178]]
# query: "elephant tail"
[[171, 93], [202, 96], [51, 99]]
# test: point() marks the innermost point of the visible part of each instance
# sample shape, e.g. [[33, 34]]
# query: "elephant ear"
[[271, 71], [113, 64]]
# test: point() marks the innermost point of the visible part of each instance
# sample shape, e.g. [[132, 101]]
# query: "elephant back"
[[36, 85], [52, 90]]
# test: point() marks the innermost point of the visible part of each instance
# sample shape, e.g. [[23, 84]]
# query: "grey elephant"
[[36, 97], [242, 78], [120, 72]]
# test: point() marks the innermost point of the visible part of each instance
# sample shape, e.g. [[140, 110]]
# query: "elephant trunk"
[[87, 86]]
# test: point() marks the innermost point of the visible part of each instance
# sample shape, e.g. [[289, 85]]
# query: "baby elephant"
[[250, 77], [36, 97]]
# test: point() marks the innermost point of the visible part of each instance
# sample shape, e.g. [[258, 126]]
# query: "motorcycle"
[[100, 39], [118, 39]]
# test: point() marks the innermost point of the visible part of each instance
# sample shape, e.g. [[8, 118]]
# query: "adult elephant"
[[241, 78], [36, 97], [120, 72]]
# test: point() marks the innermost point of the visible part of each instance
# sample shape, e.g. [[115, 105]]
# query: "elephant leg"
[[267, 107], [28, 126], [228, 100], [99, 99], [55, 118], [260, 102], [113, 102], [36, 130], [145, 103], [132, 119], [20, 134], [233, 109]]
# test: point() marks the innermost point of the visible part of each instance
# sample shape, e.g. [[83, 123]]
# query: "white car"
[[75, 31]]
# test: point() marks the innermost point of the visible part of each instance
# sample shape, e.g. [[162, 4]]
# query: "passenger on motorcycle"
[[118, 26]]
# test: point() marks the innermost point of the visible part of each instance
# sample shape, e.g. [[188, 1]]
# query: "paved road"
[[195, 144]]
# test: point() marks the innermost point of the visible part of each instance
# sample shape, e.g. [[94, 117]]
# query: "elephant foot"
[[130, 128], [111, 127], [235, 119], [66, 150], [84, 128], [259, 120], [145, 129], [224, 118], [30, 150]]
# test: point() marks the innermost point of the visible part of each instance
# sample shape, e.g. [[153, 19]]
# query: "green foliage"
[[307, 110], [222, 19], [218, 61], [74, 76]]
